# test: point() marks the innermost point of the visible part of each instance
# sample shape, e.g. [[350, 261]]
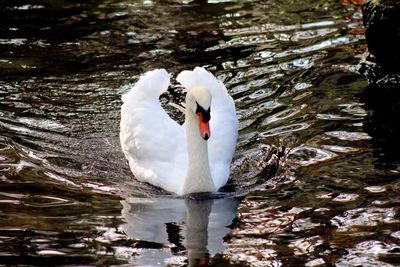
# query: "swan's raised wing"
[[223, 123], [153, 143]]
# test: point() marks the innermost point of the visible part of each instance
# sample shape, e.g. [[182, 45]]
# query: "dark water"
[[66, 193]]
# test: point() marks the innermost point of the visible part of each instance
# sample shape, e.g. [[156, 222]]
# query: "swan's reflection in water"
[[197, 224]]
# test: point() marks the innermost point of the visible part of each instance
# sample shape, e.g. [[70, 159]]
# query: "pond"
[[67, 196]]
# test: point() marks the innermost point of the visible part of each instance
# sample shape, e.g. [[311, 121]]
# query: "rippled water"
[[67, 196]]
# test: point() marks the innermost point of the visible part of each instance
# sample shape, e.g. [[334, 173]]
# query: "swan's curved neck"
[[198, 175]]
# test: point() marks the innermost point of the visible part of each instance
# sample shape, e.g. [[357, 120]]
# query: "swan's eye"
[[205, 114]]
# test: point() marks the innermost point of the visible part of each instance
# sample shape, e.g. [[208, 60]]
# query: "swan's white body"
[[172, 156]]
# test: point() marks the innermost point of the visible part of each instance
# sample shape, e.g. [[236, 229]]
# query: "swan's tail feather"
[[152, 83], [200, 77]]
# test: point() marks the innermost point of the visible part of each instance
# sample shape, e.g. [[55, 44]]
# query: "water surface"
[[67, 196]]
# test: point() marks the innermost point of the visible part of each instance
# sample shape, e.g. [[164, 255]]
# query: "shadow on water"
[[382, 125]]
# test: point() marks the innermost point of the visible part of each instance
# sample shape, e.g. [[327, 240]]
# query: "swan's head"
[[198, 99]]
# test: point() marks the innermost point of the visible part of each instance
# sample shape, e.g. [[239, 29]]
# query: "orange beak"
[[204, 127]]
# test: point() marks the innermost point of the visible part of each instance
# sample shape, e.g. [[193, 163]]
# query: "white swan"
[[180, 159]]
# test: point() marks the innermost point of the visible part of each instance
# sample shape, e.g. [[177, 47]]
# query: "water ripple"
[[369, 254], [307, 155], [307, 245], [281, 130], [340, 149], [363, 217], [285, 114], [349, 136]]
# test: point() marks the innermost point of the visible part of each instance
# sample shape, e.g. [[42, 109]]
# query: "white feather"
[[155, 145], [223, 123]]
